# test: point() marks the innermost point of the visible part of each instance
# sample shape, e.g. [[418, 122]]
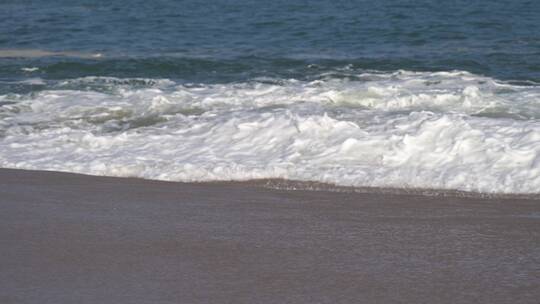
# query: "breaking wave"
[[437, 130]]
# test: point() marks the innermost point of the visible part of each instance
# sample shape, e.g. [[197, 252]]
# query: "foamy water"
[[445, 130]]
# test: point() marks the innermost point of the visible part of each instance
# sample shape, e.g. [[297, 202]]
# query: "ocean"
[[388, 94]]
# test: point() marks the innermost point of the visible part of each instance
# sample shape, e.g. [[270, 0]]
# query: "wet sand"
[[67, 238]]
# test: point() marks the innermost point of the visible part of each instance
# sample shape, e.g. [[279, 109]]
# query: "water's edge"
[[295, 185]]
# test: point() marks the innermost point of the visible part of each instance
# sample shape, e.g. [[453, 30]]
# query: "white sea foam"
[[447, 130], [32, 69]]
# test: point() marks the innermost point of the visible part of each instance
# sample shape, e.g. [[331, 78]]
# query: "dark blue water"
[[235, 40]]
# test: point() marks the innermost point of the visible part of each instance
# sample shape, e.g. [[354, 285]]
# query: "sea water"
[[400, 94]]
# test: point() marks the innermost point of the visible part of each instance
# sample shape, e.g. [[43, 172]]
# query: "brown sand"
[[67, 238]]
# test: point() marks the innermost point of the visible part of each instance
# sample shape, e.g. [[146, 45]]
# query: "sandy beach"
[[68, 238]]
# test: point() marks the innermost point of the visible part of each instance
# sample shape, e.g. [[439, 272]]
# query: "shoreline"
[[76, 238], [299, 185]]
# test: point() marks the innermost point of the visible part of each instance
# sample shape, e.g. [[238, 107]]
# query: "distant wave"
[[36, 53]]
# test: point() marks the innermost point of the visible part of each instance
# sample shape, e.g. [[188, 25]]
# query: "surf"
[[450, 130]]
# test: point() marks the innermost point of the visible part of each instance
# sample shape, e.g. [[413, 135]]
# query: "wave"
[[231, 68], [436, 130], [37, 53]]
